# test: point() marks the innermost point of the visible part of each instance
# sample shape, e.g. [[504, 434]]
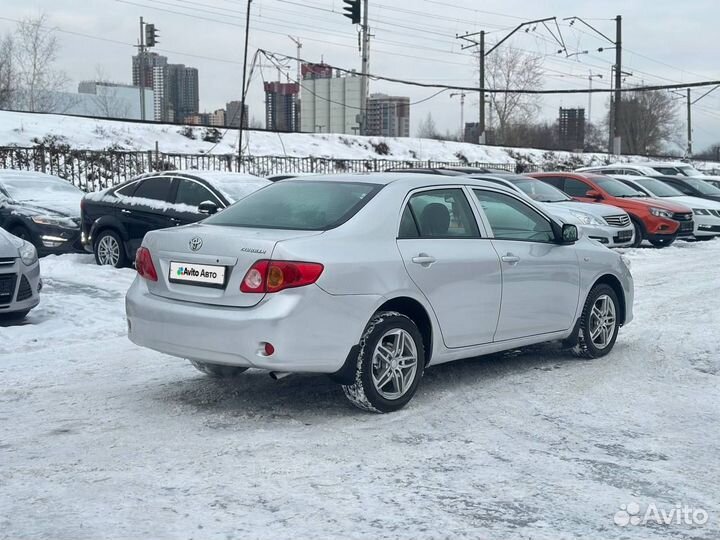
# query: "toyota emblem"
[[196, 244]]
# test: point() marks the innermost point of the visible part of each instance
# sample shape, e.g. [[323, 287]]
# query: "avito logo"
[[192, 272]]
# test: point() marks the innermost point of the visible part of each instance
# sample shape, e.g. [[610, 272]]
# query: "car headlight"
[[659, 212], [586, 219], [55, 221], [28, 254], [701, 212]]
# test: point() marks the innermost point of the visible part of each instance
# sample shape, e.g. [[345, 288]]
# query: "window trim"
[[538, 211], [481, 232]]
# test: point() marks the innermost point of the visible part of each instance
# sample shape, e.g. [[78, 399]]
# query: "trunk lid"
[[207, 263]]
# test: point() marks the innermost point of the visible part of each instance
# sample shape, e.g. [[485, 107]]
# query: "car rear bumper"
[[310, 330]]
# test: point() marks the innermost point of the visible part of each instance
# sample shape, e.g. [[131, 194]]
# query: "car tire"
[[663, 242], [391, 346], [109, 250], [218, 371], [639, 236], [596, 312]]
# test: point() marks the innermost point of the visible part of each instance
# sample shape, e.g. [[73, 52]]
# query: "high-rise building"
[[150, 61], [176, 90], [571, 129], [329, 104], [281, 111], [232, 114], [388, 116]]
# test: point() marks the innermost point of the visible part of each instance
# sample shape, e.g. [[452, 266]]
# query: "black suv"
[[114, 221], [694, 186], [41, 209]]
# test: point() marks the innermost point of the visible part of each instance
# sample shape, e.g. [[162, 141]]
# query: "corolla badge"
[[196, 243]]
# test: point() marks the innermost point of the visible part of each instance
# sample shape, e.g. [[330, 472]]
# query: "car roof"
[[15, 174]]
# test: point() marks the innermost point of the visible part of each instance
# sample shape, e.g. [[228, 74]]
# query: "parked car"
[[706, 212], [648, 168], [693, 186], [372, 278], [42, 209], [19, 276], [114, 221], [447, 171], [715, 182], [655, 220], [603, 223]]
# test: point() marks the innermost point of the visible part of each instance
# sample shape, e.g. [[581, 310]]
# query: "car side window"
[[553, 181], [680, 185], [441, 213], [511, 219], [157, 189], [193, 193], [576, 188], [408, 227], [128, 190]]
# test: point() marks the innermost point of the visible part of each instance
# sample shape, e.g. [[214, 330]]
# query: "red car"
[[658, 221]]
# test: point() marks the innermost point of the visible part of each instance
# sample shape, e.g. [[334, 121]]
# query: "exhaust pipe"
[[277, 375]]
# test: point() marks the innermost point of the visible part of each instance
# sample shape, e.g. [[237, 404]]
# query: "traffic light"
[[151, 35], [352, 10]]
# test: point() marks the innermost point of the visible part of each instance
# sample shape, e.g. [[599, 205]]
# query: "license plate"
[[625, 235], [197, 274]]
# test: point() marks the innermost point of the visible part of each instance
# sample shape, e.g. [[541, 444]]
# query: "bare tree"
[[427, 128], [649, 122], [7, 82], [34, 55], [508, 68]]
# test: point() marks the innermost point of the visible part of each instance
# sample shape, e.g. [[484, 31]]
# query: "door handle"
[[511, 259], [126, 211], [424, 259]]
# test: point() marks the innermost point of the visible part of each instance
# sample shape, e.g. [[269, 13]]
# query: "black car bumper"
[[51, 240]]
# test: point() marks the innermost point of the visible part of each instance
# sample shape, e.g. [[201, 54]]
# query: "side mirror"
[[208, 207], [569, 234], [594, 194]]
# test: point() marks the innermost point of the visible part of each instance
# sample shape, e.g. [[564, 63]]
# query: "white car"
[[372, 278], [604, 223], [19, 276], [706, 213], [645, 168]]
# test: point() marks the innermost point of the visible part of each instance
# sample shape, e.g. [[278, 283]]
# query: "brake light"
[[144, 264], [273, 276]]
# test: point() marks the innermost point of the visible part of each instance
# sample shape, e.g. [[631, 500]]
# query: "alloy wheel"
[[602, 321], [394, 364], [108, 250]]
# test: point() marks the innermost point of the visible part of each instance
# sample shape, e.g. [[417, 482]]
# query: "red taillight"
[[273, 276], [144, 264]]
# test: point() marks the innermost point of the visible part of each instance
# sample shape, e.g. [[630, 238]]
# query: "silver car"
[[371, 279], [19, 276], [604, 223]]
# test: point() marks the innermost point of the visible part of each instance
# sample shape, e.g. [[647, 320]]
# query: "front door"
[[146, 210], [541, 279], [456, 269]]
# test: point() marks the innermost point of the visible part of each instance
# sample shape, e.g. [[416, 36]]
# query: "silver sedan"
[[371, 279], [19, 276]]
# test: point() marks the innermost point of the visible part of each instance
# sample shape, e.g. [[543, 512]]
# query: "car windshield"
[[616, 188], [703, 187], [302, 205], [658, 188], [540, 191], [668, 171], [39, 189], [689, 170]]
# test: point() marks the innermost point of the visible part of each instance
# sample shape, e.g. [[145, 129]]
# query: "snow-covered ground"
[[102, 439], [25, 129]]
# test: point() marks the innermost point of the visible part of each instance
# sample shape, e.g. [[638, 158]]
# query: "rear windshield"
[[702, 186], [302, 205]]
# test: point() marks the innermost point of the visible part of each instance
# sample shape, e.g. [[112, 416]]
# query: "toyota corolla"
[[371, 279]]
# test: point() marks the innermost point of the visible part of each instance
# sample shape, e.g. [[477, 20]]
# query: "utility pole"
[[365, 69], [244, 84], [462, 113], [590, 96], [481, 119], [298, 44], [617, 140], [141, 64], [689, 124]]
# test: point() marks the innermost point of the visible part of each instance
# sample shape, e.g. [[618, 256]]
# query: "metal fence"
[[92, 170]]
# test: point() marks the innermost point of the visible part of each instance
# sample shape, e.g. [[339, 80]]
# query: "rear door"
[[456, 269], [541, 279], [146, 210]]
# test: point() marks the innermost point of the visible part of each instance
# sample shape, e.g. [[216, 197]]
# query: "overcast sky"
[[666, 41]]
